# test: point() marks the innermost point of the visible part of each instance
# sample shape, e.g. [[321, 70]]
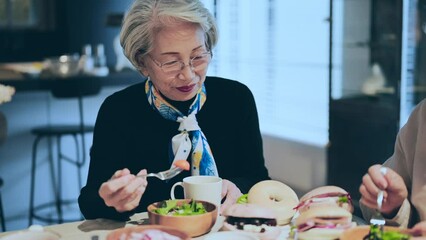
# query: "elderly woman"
[[177, 113]]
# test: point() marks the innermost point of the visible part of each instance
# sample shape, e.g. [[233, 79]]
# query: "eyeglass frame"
[[182, 63]]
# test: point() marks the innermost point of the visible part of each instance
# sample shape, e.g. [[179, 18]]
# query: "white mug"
[[205, 188]]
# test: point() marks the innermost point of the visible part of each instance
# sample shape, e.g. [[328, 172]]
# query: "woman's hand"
[[124, 190], [395, 191], [419, 229], [230, 192]]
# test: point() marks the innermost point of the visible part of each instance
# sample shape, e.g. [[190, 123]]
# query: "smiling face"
[[180, 42]]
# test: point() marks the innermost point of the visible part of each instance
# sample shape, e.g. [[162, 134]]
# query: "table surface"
[[86, 230]]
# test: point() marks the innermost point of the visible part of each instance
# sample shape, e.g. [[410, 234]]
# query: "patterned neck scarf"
[[201, 156]]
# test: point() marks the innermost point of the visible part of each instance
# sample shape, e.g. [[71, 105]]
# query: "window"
[[279, 49]]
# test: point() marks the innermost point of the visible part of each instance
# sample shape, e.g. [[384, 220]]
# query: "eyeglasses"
[[196, 63]]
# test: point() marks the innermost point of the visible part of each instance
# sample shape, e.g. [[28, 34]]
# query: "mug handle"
[[172, 191]]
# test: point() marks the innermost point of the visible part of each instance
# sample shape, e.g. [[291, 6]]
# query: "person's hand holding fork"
[[124, 190], [393, 186]]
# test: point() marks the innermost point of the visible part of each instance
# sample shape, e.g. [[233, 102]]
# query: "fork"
[[164, 175], [377, 218]]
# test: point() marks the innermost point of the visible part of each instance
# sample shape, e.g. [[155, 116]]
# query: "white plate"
[[230, 235], [285, 231]]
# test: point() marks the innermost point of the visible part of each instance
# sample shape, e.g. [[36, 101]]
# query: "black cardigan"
[[130, 134]]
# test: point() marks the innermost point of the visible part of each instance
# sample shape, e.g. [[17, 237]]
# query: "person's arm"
[[410, 153], [402, 216], [396, 208], [105, 157], [252, 162], [401, 163]]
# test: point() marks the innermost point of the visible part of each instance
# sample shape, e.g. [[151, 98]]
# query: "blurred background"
[[334, 80]]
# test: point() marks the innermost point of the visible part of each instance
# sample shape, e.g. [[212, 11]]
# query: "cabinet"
[[31, 30], [376, 49]]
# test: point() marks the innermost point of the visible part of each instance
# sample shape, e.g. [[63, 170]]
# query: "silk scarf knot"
[[191, 143]]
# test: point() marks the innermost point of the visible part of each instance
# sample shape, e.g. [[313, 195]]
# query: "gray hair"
[[147, 17]]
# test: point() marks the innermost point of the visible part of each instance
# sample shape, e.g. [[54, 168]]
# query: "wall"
[[85, 27], [299, 165]]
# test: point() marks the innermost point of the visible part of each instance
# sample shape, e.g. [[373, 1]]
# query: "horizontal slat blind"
[[279, 49]]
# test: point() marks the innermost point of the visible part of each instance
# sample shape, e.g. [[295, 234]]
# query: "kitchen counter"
[[27, 83]]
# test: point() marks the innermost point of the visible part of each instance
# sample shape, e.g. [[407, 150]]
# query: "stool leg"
[[33, 173], [3, 224], [52, 172], [59, 186], [78, 162], [32, 210]]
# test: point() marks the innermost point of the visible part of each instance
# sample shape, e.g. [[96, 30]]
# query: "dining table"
[[98, 229]]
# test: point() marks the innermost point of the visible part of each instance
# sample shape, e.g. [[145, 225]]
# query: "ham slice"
[[326, 222]]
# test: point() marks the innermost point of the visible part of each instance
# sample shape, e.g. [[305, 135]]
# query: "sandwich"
[[325, 196], [326, 222], [252, 218]]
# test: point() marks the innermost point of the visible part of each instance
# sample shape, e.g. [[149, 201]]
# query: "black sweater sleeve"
[[103, 163], [251, 160], [233, 132]]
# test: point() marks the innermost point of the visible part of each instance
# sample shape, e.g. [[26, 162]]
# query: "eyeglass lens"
[[196, 63]]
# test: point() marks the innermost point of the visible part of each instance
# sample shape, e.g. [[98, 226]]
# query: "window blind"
[[279, 49]]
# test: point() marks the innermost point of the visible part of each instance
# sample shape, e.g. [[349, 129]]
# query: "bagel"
[[276, 195]]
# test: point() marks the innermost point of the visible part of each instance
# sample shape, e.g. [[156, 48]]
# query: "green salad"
[[343, 199], [376, 234], [171, 208], [243, 199]]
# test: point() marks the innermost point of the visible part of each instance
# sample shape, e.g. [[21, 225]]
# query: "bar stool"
[[68, 88], [3, 221]]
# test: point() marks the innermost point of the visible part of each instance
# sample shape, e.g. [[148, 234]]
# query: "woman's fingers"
[[367, 198], [419, 229], [231, 192], [115, 184], [120, 173], [142, 172], [372, 183], [390, 182], [377, 177], [124, 190], [131, 201], [369, 186], [129, 189], [117, 181]]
